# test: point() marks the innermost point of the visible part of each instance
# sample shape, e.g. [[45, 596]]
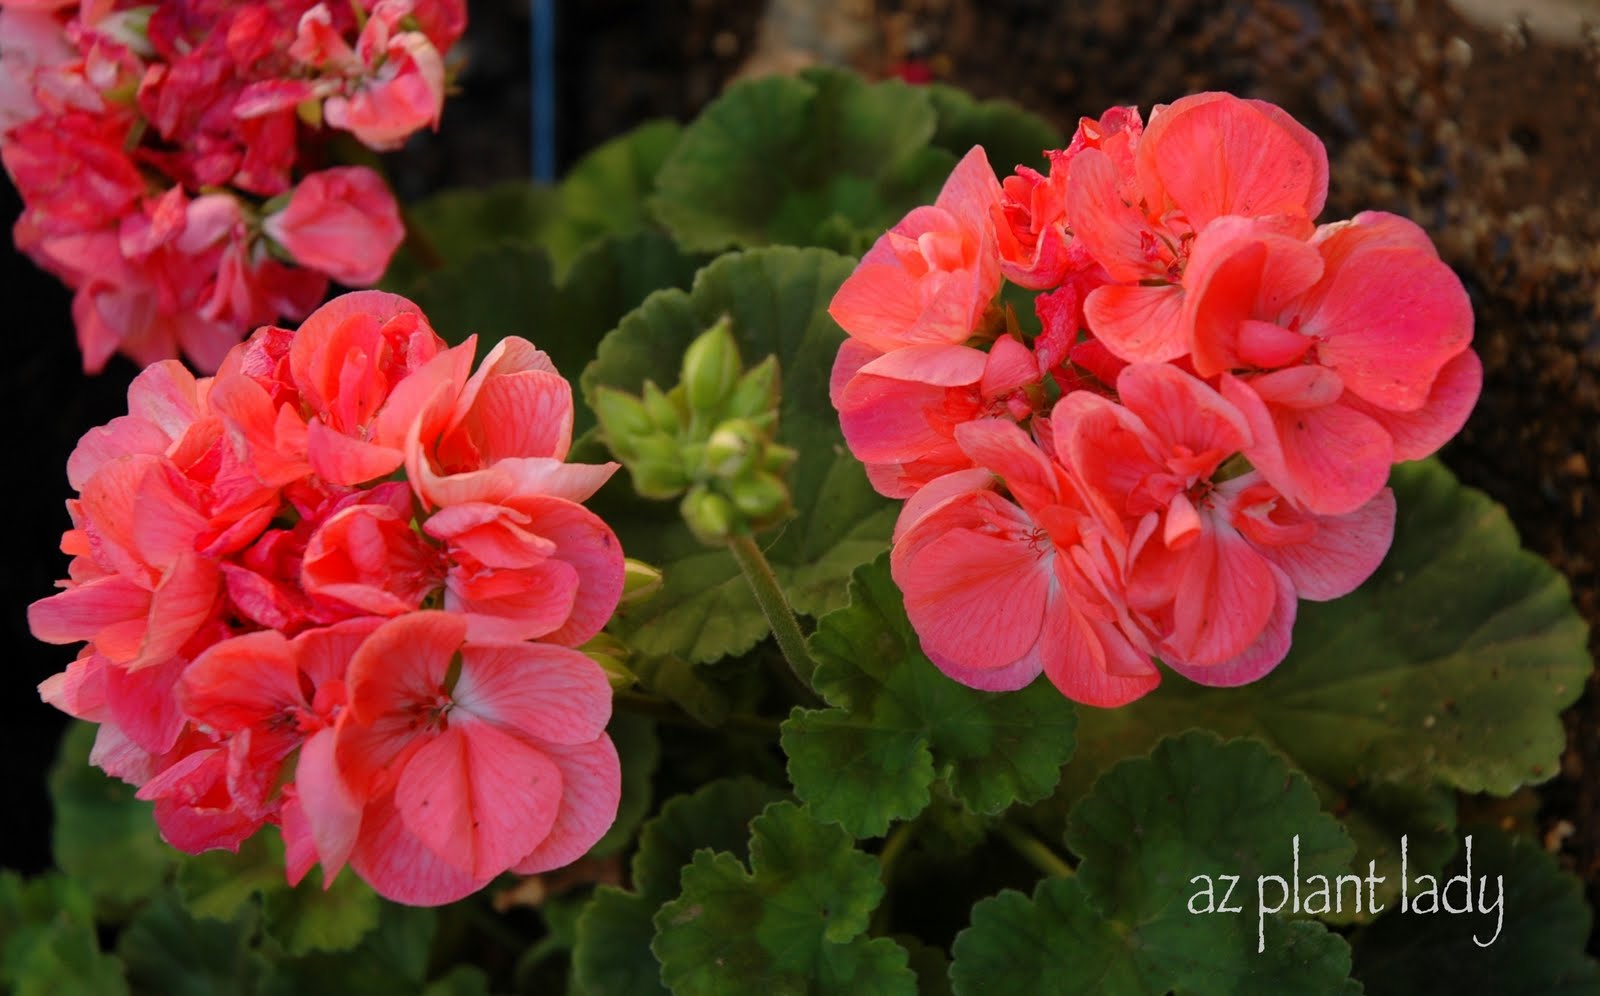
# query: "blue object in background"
[[542, 31]]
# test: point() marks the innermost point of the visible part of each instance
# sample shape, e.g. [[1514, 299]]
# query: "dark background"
[[1483, 133]]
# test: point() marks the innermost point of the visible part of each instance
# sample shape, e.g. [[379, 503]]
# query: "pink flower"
[[401, 88], [469, 768], [999, 590], [1201, 158], [930, 278], [341, 221], [1345, 354], [900, 410]]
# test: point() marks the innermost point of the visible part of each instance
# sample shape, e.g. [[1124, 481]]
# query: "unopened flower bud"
[[612, 656], [731, 450], [657, 468], [762, 498], [639, 581], [665, 413], [709, 515], [622, 416], [756, 392], [778, 458], [711, 367]]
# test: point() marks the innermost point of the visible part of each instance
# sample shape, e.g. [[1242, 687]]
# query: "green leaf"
[[612, 953], [310, 918], [462, 980], [47, 940], [459, 224], [218, 884], [103, 837], [606, 192], [1534, 943], [1133, 921], [806, 160], [512, 290], [1010, 136], [391, 959], [793, 923], [777, 299], [1448, 669], [897, 723], [640, 750], [168, 951]]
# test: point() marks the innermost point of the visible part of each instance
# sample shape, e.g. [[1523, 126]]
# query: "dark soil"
[[1486, 138]]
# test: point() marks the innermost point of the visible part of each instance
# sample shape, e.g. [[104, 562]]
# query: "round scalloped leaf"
[[168, 951], [897, 723], [607, 191], [1534, 943], [459, 224], [612, 950], [807, 160], [1010, 136], [777, 299], [1129, 923], [1449, 668], [793, 923], [103, 837], [48, 943]]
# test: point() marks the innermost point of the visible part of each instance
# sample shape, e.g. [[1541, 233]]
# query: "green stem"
[[785, 627], [1034, 851], [643, 704], [895, 845]]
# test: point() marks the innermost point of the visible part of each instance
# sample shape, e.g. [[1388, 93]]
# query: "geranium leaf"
[[1448, 669], [48, 945], [794, 921], [1534, 943], [512, 290], [607, 191], [1010, 136], [897, 723], [1129, 922], [458, 224], [390, 959], [310, 918], [777, 299], [807, 160], [612, 951], [103, 837], [169, 951]]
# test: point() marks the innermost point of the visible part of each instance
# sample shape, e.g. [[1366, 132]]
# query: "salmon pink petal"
[[1005, 678], [241, 682], [332, 813], [943, 365], [1244, 271], [299, 849], [938, 491], [184, 601], [165, 394], [591, 548], [121, 436], [1139, 324], [404, 661], [400, 867], [479, 797], [1255, 661], [120, 757], [1212, 157], [972, 192], [324, 653], [341, 459], [974, 598], [591, 789], [1390, 319], [1331, 459], [1114, 232], [80, 690], [527, 414], [1005, 450], [82, 611], [1340, 554], [143, 705], [1224, 598], [1181, 410], [550, 693], [1010, 365], [852, 356], [1419, 433], [1091, 662]]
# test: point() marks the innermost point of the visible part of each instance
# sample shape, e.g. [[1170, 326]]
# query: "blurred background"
[[1479, 119]]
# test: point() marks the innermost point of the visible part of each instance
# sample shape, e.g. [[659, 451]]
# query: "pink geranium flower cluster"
[[169, 156], [1199, 436], [336, 588]]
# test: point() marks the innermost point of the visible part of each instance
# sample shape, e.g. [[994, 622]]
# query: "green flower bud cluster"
[[711, 439]]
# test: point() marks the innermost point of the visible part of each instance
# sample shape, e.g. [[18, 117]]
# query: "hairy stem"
[[785, 627], [1034, 851]]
